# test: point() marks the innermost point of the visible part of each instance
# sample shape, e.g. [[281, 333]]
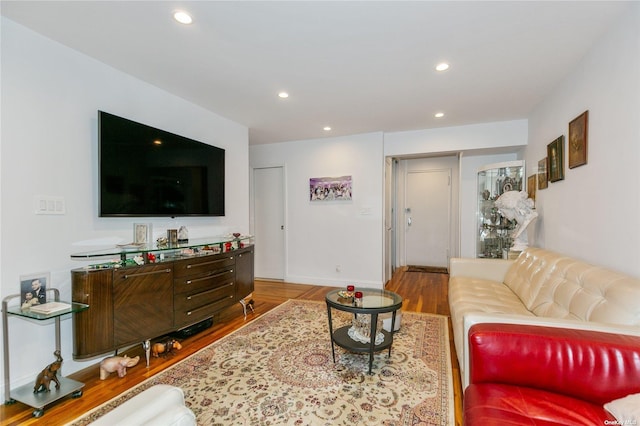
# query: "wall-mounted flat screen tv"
[[146, 171]]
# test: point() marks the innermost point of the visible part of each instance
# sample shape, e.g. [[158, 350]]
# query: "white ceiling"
[[358, 67]]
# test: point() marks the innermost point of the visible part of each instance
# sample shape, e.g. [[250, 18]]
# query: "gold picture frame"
[[578, 138], [555, 154], [531, 186], [543, 177]]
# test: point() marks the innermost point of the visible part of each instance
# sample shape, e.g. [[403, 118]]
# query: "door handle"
[[409, 221], [282, 227]]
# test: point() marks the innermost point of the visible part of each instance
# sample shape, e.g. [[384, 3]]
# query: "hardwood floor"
[[422, 292]]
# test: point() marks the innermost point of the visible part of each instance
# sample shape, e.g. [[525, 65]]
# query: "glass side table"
[[25, 392], [374, 302]]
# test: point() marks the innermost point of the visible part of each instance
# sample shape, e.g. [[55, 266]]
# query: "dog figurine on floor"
[[49, 373], [165, 348], [116, 363]]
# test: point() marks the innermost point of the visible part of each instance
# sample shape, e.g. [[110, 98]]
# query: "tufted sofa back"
[[557, 286]]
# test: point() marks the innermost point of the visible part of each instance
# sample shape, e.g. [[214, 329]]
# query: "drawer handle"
[[189, 266], [139, 274], [212, 290], [208, 277]]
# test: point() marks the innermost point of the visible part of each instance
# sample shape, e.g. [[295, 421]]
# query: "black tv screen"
[[146, 171]]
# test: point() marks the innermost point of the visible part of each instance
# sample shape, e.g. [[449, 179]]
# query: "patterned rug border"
[[271, 312]]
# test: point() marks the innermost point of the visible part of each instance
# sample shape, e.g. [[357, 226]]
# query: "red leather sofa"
[[534, 375]]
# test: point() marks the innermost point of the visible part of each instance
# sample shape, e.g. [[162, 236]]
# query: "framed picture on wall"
[[555, 154], [578, 135], [330, 189], [532, 182], [543, 181]]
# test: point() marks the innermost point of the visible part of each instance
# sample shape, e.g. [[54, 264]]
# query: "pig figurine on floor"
[[116, 363]]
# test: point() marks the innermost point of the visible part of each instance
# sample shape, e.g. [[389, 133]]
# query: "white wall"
[[502, 135], [50, 97], [594, 213], [322, 235]]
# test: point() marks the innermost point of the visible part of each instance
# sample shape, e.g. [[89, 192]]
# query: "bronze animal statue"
[[165, 348], [116, 363], [49, 373]]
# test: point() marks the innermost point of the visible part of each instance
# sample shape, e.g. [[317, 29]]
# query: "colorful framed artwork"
[[330, 189], [555, 154], [578, 138], [532, 182], [543, 177]]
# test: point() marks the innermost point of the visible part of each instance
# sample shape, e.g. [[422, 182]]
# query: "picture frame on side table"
[[543, 177], [33, 289], [578, 138], [555, 154], [142, 233]]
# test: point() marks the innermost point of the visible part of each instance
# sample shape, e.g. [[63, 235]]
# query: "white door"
[[268, 228], [427, 216]]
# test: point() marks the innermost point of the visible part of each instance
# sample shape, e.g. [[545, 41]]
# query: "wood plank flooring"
[[422, 292]]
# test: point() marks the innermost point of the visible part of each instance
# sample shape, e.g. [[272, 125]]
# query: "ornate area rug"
[[278, 370]]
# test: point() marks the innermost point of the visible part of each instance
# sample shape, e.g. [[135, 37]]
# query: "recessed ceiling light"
[[438, 114], [442, 66], [326, 128], [182, 17], [157, 142], [283, 95]]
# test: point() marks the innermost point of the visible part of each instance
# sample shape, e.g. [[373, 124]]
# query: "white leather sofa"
[[543, 288], [160, 405]]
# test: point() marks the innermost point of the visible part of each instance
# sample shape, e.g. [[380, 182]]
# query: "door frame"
[[252, 210], [397, 254]]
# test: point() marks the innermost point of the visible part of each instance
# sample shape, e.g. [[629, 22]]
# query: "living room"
[[51, 94]]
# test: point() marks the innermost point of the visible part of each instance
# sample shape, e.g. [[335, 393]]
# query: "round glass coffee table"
[[374, 302]]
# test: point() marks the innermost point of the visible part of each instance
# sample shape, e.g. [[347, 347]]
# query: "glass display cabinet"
[[493, 236]]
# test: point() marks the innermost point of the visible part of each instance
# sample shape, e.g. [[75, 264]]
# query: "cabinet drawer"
[[190, 308], [202, 265], [203, 282]]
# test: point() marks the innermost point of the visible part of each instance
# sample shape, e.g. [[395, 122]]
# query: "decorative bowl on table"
[[345, 294]]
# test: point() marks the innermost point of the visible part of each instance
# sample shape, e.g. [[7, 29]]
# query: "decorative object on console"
[[330, 188], [578, 136], [543, 177], [183, 234], [555, 153], [514, 205], [165, 348], [172, 236], [117, 363], [49, 373], [142, 233]]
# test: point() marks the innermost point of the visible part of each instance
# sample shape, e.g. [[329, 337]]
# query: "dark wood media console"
[[134, 304]]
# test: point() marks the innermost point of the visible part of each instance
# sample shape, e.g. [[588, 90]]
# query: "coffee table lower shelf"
[[341, 338]]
